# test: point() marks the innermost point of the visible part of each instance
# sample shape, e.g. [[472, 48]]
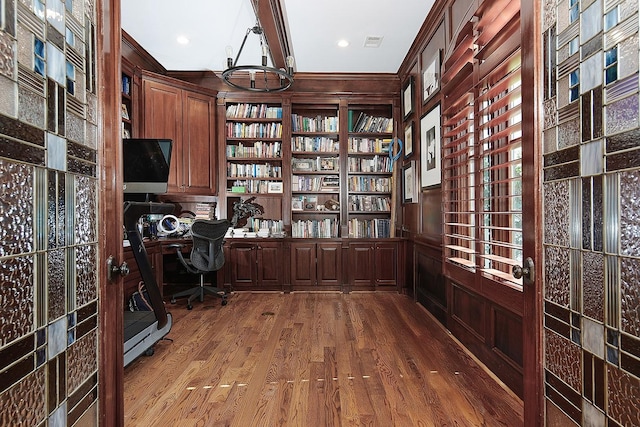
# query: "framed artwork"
[[302, 165], [407, 98], [431, 77], [274, 187], [430, 155], [408, 139], [409, 192]]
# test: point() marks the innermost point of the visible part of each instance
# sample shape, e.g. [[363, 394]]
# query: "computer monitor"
[[145, 163]]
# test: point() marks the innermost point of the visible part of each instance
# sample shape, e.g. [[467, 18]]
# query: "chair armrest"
[[176, 245]]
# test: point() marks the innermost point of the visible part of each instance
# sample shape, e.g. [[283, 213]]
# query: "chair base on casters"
[[199, 293]]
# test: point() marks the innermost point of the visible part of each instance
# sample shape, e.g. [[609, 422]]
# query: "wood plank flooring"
[[312, 359]]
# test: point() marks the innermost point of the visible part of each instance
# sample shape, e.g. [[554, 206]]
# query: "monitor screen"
[[145, 164]]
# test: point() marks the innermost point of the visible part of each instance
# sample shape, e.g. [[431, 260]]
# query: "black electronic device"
[[145, 164]]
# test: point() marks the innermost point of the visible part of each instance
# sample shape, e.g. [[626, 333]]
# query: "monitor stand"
[[143, 329]]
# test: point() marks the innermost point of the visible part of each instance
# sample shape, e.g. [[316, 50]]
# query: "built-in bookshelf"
[[369, 177], [254, 164], [126, 109], [254, 149], [315, 172]]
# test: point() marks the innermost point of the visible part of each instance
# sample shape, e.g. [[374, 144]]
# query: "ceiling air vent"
[[373, 41]]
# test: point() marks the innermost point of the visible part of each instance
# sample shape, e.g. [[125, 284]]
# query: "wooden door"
[[303, 265], [197, 148], [270, 266], [243, 265], [490, 190], [361, 266], [329, 266], [162, 117], [386, 260]]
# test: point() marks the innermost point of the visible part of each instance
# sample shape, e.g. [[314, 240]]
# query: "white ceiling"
[[314, 28]]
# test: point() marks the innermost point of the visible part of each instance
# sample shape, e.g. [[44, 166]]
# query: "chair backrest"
[[208, 238]]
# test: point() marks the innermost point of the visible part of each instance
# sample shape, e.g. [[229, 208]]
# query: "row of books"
[[275, 227], [369, 183], [257, 149], [371, 124], [315, 183], [317, 143], [255, 186], [313, 124], [369, 145], [253, 170], [374, 164], [370, 228], [315, 229], [253, 111], [360, 203], [254, 130]]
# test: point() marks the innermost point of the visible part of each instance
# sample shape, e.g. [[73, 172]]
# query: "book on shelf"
[[371, 124], [125, 112]]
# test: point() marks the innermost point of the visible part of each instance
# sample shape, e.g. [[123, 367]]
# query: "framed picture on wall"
[[430, 148], [409, 191], [431, 77], [408, 139], [407, 98]]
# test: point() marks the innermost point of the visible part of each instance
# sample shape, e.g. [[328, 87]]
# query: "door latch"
[[113, 269], [527, 271]]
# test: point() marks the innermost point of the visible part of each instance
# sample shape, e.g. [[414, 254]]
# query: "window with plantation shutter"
[[482, 152]]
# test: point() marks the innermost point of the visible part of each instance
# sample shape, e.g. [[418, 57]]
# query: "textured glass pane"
[[31, 108], [86, 275], [563, 359], [55, 63], [82, 360], [57, 337], [628, 56], [622, 115], [593, 340], [16, 294], [630, 291], [556, 213], [569, 133], [16, 222], [85, 215], [25, 401], [57, 297], [624, 405], [630, 213], [593, 285], [557, 278]]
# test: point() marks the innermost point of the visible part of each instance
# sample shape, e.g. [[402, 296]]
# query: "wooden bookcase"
[[253, 151], [315, 171]]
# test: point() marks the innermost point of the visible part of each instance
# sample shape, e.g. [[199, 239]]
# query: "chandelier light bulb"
[[229, 51]]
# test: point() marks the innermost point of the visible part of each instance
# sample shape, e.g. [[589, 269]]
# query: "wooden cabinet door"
[[361, 266], [197, 150], [243, 265], [270, 266], [162, 118], [329, 265], [386, 260], [303, 265]]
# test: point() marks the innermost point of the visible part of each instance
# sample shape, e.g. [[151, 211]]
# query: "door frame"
[[533, 362], [111, 346]]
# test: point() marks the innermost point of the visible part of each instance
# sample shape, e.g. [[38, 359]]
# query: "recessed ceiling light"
[[343, 43], [182, 40]]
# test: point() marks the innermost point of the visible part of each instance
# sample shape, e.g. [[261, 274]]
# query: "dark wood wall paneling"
[[485, 319]]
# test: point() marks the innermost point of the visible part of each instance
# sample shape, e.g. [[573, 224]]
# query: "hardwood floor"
[[309, 359]]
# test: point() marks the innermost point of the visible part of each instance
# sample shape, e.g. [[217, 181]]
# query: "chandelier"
[[261, 78]]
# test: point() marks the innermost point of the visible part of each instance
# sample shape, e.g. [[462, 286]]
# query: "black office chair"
[[206, 256]]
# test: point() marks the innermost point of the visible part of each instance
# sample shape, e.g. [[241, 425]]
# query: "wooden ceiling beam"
[[272, 20]]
